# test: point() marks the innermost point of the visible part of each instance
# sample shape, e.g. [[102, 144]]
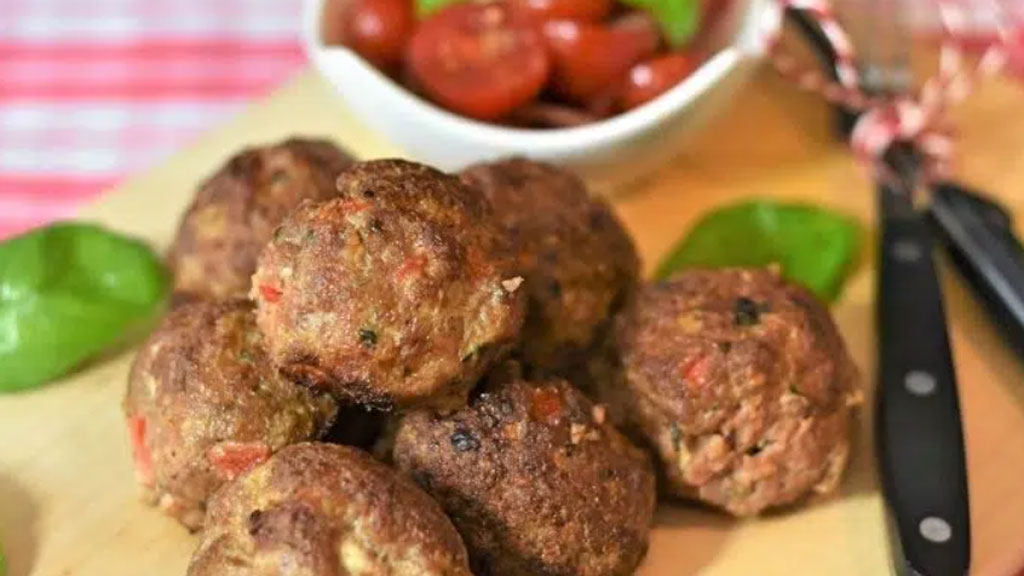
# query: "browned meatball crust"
[[741, 383], [396, 293], [204, 403], [579, 262], [326, 510], [236, 210], [534, 478]]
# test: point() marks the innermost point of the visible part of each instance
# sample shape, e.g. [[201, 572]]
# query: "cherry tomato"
[[581, 10], [590, 60], [650, 79], [478, 59], [379, 29]]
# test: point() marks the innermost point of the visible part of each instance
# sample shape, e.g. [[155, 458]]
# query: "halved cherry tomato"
[[581, 10], [591, 61], [379, 29], [650, 79], [478, 59]]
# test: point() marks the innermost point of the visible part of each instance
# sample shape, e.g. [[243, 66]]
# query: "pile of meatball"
[[379, 368]]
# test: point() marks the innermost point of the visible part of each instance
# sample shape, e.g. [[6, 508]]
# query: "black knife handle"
[[919, 436], [979, 237]]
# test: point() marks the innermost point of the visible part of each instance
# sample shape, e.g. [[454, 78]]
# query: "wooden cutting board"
[[68, 503]]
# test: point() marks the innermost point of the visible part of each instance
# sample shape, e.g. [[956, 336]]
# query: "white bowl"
[[608, 153]]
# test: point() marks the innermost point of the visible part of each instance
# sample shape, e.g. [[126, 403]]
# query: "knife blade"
[[978, 235]]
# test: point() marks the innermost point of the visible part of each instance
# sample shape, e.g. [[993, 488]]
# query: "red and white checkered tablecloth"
[[93, 90]]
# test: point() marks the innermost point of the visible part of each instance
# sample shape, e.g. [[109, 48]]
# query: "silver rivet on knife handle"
[[919, 383], [935, 530]]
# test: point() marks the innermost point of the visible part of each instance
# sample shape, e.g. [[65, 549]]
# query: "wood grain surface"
[[69, 506]]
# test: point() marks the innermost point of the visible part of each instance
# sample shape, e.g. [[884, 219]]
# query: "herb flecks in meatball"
[[398, 292]]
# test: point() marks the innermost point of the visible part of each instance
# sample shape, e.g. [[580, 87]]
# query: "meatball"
[[741, 383], [397, 293], [236, 210], [534, 478], [204, 404], [579, 262], [326, 510]]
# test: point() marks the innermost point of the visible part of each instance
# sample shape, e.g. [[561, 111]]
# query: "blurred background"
[[92, 92]]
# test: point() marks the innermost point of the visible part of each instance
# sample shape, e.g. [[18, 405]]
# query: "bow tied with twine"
[[918, 118]]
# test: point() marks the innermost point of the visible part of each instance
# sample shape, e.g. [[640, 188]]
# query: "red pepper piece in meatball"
[[534, 478], [326, 510], [579, 262], [237, 209], [741, 383], [398, 292], [204, 405]]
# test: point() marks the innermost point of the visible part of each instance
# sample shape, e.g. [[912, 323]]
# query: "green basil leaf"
[[815, 247], [68, 292], [679, 19], [428, 7]]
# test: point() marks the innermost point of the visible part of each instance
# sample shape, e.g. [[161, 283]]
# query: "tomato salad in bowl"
[[529, 63], [608, 88]]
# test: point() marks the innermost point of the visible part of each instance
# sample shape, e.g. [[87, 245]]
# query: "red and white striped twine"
[[918, 117]]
